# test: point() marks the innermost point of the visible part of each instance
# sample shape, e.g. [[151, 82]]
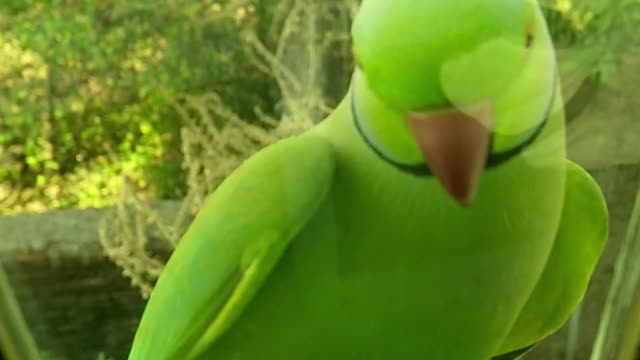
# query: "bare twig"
[[216, 140]]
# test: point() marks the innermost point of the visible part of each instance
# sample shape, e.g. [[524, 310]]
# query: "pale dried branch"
[[215, 140]]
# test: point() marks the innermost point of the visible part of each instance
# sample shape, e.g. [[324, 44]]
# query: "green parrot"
[[433, 215]]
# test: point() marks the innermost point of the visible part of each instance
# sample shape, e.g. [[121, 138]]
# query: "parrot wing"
[[579, 242], [232, 245], [514, 355]]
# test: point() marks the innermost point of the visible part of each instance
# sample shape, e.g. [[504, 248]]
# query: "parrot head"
[[451, 88]]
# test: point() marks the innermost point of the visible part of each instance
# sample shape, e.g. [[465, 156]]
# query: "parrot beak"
[[454, 144]]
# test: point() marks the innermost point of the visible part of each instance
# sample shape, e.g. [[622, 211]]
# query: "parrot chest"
[[389, 267], [399, 259]]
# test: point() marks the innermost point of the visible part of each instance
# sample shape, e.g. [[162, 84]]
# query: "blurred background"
[[118, 117]]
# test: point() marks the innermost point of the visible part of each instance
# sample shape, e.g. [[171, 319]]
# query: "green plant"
[[86, 90]]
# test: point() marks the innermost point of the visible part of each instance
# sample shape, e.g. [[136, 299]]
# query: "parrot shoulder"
[[579, 243], [232, 245]]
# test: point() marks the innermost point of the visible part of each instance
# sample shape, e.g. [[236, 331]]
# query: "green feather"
[[232, 246], [579, 243], [320, 247]]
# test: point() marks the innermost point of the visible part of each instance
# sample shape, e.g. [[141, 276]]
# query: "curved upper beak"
[[454, 144]]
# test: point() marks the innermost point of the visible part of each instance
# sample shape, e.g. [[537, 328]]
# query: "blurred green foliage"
[[569, 22], [601, 34], [86, 88], [85, 91]]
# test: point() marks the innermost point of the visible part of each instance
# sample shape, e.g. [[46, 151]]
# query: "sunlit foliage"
[[86, 86]]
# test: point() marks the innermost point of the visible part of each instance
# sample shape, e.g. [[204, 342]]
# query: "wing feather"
[[232, 245]]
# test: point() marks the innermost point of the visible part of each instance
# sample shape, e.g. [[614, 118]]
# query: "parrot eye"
[[529, 35], [528, 40]]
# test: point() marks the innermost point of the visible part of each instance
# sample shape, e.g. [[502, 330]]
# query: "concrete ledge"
[[75, 301]]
